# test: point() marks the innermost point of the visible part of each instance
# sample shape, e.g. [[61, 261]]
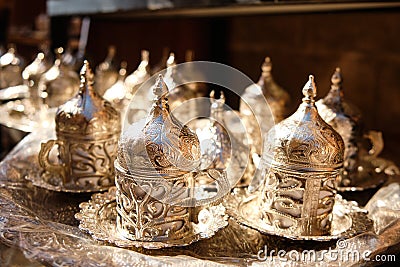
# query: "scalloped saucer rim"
[[105, 203], [36, 177], [237, 202]]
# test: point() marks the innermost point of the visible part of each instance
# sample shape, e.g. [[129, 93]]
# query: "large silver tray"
[[41, 223], [21, 115]]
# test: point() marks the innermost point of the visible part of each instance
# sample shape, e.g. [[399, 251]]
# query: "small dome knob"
[[160, 89], [337, 78], [310, 89], [266, 67]]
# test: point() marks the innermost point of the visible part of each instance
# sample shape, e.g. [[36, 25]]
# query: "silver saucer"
[[52, 181], [348, 219], [21, 115], [98, 218], [372, 173]]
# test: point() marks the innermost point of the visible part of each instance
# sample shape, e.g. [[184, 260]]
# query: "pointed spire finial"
[[266, 66], [59, 51], [310, 89], [217, 102], [171, 60], [87, 76], [212, 95], [160, 89], [145, 55], [337, 78]]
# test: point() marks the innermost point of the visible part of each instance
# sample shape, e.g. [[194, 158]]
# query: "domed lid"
[[159, 144], [37, 67], [117, 92], [140, 75], [108, 64], [278, 99], [11, 57], [59, 69], [216, 142], [170, 73], [271, 90], [304, 141], [336, 103], [87, 114], [58, 84]]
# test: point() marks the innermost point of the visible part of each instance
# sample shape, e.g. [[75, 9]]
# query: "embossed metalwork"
[[40, 223], [87, 129], [347, 219], [156, 172], [220, 154], [161, 144], [346, 119], [221, 148], [304, 156], [179, 91], [254, 107], [58, 84], [100, 218]]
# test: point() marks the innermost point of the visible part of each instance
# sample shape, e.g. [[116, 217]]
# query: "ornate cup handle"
[[222, 182], [44, 160], [377, 142]]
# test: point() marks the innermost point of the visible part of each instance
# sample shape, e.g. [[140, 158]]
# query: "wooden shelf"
[[26, 40], [121, 9]]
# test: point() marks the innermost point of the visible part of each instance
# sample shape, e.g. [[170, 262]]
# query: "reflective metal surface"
[[58, 84], [301, 161], [348, 219], [23, 116], [117, 94], [106, 72], [258, 117], [87, 130], [11, 66], [41, 223], [156, 172], [140, 75], [358, 171], [99, 218], [32, 73]]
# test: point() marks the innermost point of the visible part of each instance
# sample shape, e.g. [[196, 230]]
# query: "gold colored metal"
[[277, 99], [11, 66], [58, 84], [304, 155], [99, 218], [221, 148], [32, 73], [87, 129], [139, 76], [156, 171], [106, 72], [220, 133], [358, 172], [348, 219], [117, 94]]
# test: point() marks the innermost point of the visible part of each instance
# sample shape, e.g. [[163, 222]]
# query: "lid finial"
[[337, 78], [160, 89], [87, 76], [310, 89], [267, 66]]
